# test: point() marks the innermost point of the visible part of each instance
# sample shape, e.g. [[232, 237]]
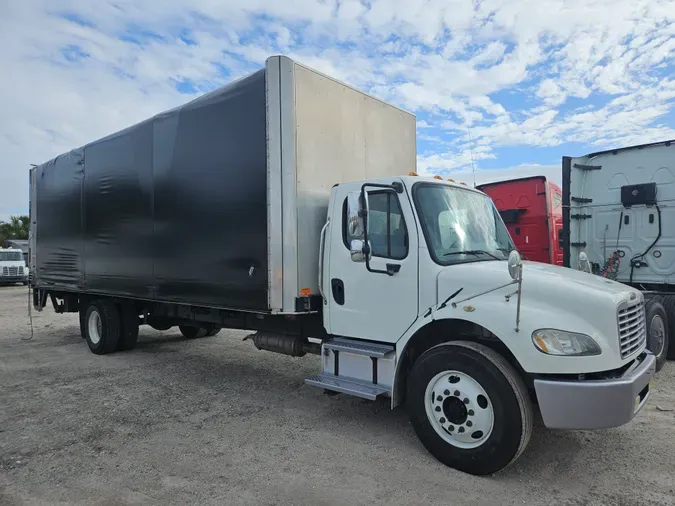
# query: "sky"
[[500, 88]]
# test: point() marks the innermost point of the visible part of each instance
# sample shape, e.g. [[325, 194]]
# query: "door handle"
[[393, 269], [338, 287]]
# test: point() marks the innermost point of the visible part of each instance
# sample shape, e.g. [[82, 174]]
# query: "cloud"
[[496, 83]]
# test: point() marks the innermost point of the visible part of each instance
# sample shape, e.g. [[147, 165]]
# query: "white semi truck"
[[280, 204], [619, 215]]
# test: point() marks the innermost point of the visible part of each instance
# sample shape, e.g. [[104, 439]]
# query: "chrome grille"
[[12, 271], [632, 329]]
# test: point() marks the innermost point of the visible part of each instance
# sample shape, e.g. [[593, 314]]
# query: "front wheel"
[[469, 407]]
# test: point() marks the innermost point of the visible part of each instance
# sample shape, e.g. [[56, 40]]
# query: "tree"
[[16, 228]]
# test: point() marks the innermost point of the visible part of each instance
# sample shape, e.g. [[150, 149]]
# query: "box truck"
[[619, 223], [531, 208], [283, 204]]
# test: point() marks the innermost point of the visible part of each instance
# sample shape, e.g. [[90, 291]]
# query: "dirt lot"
[[214, 421]]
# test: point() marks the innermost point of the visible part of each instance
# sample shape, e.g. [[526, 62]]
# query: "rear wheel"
[[469, 407], [192, 332], [102, 326], [657, 331]]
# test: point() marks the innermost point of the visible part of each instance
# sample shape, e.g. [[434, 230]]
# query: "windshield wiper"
[[474, 252]]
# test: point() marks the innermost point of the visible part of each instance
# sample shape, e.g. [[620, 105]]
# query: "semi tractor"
[[283, 204], [531, 208], [618, 216]]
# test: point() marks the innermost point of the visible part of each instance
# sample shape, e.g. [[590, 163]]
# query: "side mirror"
[[514, 264], [358, 250], [354, 217], [584, 263]]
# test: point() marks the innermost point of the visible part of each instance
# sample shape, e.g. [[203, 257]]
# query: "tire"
[[492, 398], [192, 332], [128, 328], [83, 314], [83, 322], [657, 330], [668, 302], [103, 335]]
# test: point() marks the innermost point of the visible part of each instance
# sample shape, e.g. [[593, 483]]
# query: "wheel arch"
[[441, 331]]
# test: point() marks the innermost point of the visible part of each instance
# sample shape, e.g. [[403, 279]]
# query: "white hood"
[[552, 297]]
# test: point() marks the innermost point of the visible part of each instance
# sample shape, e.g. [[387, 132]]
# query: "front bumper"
[[596, 404], [12, 279]]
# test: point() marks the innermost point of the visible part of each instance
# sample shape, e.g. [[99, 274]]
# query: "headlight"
[[559, 342]]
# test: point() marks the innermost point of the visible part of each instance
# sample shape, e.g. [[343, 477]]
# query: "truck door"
[[366, 304]]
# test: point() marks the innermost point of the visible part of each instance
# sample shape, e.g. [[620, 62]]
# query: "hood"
[[539, 280]]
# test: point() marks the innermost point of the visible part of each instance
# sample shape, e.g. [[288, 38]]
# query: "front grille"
[[12, 271], [632, 329]]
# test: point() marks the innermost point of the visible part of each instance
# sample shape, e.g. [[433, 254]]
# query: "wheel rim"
[[459, 409], [657, 332], [95, 327]]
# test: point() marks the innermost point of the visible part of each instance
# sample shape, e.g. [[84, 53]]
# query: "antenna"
[[473, 168]]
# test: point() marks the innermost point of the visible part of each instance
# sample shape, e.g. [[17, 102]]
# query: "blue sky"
[[501, 87]]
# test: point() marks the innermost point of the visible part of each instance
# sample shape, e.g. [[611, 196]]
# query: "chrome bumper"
[[596, 404]]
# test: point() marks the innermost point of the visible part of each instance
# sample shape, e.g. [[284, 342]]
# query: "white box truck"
[[619, 216], [282, 204]]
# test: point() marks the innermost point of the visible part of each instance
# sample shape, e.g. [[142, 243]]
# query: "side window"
[[557, 200], [387, 231]]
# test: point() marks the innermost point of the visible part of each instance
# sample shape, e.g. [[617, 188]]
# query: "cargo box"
[[219, 202]]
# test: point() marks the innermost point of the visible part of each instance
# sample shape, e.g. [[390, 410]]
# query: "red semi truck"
[[531, 207]]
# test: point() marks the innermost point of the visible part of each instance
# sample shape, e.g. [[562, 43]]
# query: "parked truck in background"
[[531, 208], [619, 211], [13, 268], [276, 204]]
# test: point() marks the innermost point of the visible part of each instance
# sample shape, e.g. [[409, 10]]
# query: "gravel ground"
[[215, 421]]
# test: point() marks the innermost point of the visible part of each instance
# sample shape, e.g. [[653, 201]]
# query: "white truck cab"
[[429, 303], [12, 267]]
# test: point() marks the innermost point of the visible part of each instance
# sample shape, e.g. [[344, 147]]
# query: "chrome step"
[[347, 386], [358, 347]]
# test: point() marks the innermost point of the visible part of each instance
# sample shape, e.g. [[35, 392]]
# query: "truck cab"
[[426, 300], [12, 267]]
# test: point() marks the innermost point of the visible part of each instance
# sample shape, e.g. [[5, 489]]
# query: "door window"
[[387, 230]]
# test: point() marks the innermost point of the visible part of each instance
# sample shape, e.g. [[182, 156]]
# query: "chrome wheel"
[[95, 327], [459, 409]]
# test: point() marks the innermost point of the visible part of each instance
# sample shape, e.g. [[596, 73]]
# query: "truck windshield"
[[460, 225], [10, 256]]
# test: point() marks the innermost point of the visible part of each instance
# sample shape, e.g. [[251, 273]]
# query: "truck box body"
[[532, 210], [623, 200], [219, 202]]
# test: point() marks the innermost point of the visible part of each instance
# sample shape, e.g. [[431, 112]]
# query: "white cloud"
[[502, 72]]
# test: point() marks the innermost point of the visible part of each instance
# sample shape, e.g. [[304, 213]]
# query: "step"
[[347, 386], [359, 347]]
